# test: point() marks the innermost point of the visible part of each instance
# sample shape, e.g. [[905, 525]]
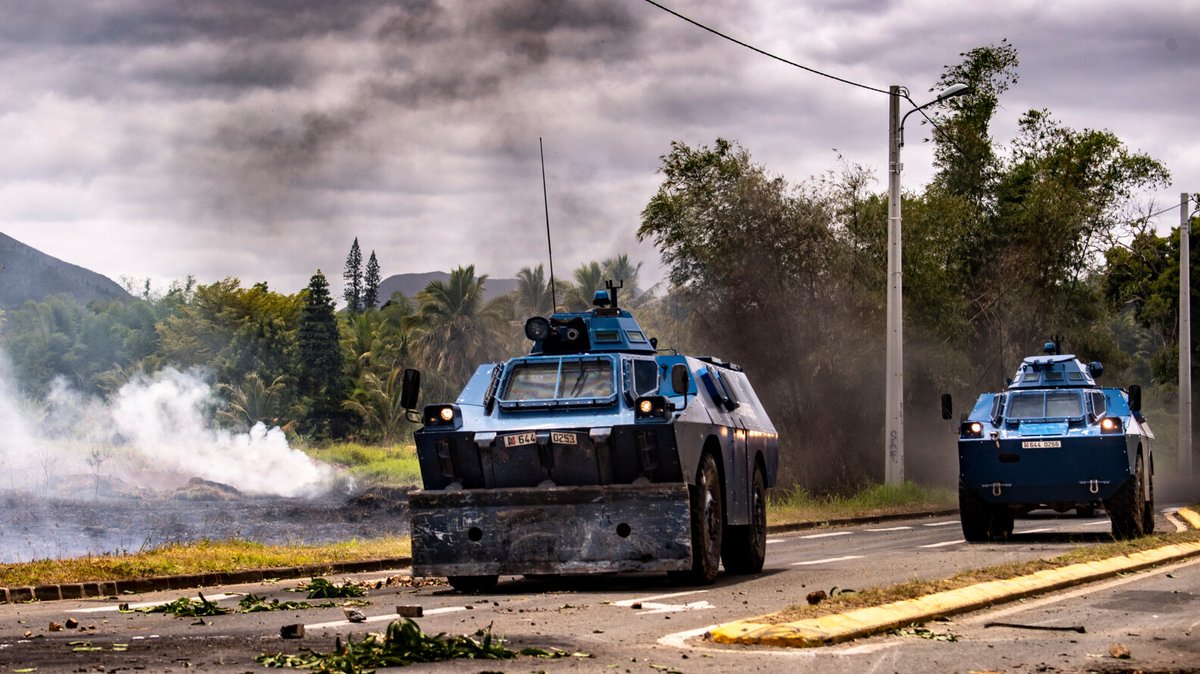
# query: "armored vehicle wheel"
[[1127, 509], [1086, 511], [744, 548], [982, 521], [708, 517], [1148, 508], [473, 584]]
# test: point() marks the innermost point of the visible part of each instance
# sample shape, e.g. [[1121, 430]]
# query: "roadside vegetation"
[[372, 465], [798, 505], [200, 557], [844, 599]]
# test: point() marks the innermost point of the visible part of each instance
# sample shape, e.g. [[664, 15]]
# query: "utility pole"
[[1185, 335], [893, 472]]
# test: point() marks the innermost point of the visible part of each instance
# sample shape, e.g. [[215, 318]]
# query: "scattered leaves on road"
[[319, 588], [185, 607]]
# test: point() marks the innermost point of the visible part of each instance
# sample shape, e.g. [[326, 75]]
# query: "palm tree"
[[589, 278], [253, 401], [533, 293], [621, 270], [455, 329], [377, 401]]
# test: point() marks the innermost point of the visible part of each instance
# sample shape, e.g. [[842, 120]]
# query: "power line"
[[766, 53]]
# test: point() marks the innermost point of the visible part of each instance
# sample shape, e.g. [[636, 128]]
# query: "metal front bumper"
[[553, 530], [1081, 470]]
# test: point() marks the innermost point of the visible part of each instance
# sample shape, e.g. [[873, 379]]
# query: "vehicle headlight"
[[1111, 425], [971, 429], [442, 416], [650, 407]]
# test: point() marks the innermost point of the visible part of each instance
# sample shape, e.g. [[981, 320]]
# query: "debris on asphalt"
[[354, 615], [253, 603], [1052, 628], [924, 633], [295, 631], [1119, 651], [814, 598], [71, 623], [185, 607], [55, 627], [319, 588], [410, 611]]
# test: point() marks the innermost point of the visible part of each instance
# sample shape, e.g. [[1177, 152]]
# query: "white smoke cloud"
[[156, 433]]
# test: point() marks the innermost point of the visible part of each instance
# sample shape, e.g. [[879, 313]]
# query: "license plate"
[[520, 439], [564, 438], [1041, 444]]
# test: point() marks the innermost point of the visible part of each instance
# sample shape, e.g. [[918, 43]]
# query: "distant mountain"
[[29, 274], [411, 284]]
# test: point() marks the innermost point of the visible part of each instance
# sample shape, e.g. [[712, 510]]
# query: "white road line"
[[1101, 523], [380, 618], [144, 604], [1037, 531], [827, 560], [942, 544], [643, 600], [775, 540], [940, 524], [891, 529], [828, 535]]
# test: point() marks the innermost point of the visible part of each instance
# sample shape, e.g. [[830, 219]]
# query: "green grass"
[[371, 465], [797, 505], [199, 557]]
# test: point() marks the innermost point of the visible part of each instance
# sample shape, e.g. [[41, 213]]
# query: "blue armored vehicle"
[[594, 453], [1054, 439]]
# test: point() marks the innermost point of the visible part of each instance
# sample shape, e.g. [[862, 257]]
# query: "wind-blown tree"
[[320, 352], [353, 275], [371, 281], [455, 330]]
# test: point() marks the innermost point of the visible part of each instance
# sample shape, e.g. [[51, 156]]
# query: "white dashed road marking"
[[144, 604], [1096, 524], [649, 605], [380, 618], [1036, 531], [829, 535], [940, 524], [891, 529], [942, 544], [827, 561]]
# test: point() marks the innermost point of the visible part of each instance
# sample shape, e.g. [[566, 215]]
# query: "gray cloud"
[[221, 137]]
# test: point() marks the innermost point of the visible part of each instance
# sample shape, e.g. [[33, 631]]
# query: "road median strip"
[[1192, 517], [841, 627]]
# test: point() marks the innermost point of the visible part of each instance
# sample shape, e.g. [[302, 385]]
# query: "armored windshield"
[[563, 379], [1045, 405]]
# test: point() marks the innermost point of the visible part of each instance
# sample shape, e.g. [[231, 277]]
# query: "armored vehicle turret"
[[595, 452], [1055, 439]]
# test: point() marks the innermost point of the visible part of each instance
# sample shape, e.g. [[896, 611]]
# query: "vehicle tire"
[[1126, 508], [708, 518], [1003, 521], [1148, 508], [473, 584], [744, 547], [974, 514], [1086, 511]]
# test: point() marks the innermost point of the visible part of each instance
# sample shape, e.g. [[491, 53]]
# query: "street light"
[[893, 438], [1185, 335]]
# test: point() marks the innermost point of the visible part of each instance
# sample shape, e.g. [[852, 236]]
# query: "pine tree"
[[321, 376], [353, 275], [371, 284]]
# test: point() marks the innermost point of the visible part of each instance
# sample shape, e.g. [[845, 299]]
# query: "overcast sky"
[[153, 139]]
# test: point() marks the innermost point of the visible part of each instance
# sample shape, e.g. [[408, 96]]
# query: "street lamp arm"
[[949, 92]]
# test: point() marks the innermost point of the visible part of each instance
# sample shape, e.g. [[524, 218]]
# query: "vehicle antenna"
[[549, 248]]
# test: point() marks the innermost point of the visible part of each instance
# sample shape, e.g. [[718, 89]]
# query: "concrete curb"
[[841, 627], [112, 588]]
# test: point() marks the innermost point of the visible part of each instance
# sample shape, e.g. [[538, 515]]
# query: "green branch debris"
[[404, 644]]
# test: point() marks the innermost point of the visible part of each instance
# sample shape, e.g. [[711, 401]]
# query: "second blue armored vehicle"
[[1055, 439], [594, 453]]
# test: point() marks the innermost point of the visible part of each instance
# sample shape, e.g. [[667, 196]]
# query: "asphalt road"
[[645, 624]]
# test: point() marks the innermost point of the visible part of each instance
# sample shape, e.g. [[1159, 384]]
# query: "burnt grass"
[[60, 526]]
